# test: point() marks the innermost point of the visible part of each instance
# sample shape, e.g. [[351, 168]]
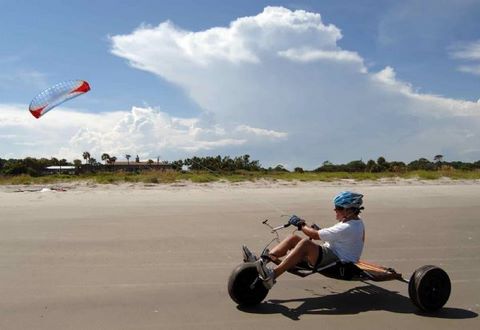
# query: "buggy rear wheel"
[[429, 288], [244, 286]]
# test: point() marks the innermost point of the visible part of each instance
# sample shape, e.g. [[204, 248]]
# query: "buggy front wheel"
[[244, 285]]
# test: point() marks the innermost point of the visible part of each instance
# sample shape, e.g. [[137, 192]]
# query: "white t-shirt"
[[345, 239]]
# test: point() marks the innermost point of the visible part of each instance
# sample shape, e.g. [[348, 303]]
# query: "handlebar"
[[275, 229], [281, 227], [315, 226]]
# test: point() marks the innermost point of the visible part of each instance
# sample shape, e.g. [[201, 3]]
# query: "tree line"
[[36, 167], [29, 165], [382, 165]]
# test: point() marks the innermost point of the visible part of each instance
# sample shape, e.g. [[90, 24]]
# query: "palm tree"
[[128, 159], [112, 160], [438, 158], [105, 157], [382, 163], [371, 166], [86, 156]]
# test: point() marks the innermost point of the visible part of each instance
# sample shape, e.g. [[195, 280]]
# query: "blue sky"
[[429, 45]]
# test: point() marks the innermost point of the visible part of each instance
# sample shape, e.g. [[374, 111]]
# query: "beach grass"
[[166, 177]]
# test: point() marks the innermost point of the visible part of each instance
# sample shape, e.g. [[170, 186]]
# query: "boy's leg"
[[284, 246], [304, 250], [300, 249]]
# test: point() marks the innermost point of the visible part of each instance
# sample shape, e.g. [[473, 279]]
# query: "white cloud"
[[468, 52], [431, 106], [23, 77], [66, 133], [473, 69], [262, 132], [276, 86], [310, 55], [296, 79]]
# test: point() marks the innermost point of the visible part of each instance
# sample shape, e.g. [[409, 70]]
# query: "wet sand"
[[159, 257]]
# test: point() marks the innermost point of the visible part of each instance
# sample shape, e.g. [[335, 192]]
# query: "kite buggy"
[[428, 287]]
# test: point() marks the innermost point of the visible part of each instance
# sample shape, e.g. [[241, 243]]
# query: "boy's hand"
[[297, 222]]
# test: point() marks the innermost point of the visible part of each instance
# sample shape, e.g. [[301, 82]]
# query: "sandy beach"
[[136, 256]]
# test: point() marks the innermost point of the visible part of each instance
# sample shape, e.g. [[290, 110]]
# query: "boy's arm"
[[311, 232]]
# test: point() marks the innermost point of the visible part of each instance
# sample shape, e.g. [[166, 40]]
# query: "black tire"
[[429, 288], [240, 282]]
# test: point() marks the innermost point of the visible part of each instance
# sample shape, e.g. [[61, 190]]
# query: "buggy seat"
[[361, 270]]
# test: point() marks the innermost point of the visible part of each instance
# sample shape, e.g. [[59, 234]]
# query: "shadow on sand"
[[360, 299]]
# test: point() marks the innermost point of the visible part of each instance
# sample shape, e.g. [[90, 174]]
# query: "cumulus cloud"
[[277, 86], [310, 55], [290, 75], [66, 133]]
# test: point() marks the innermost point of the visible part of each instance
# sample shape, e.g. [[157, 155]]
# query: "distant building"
[[61, 169], [112, 167]]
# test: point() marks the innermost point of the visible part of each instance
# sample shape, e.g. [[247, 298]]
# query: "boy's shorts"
[[325, 257]]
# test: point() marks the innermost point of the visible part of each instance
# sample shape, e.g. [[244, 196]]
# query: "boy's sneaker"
[[266, 274], [248, 255], [266, 255]]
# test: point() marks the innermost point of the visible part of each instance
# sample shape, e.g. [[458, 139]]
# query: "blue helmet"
[[348, 199]]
